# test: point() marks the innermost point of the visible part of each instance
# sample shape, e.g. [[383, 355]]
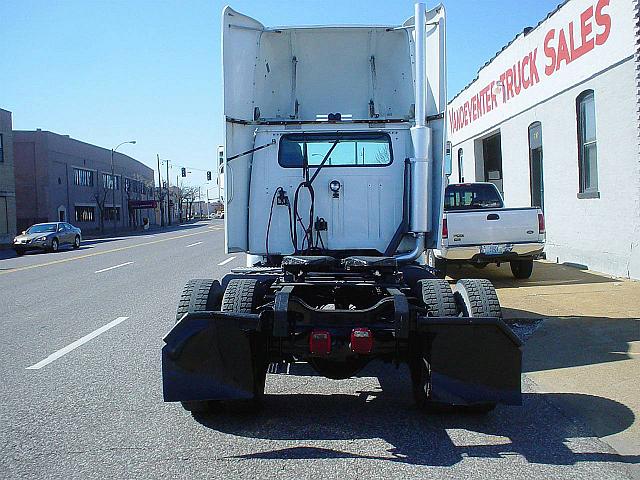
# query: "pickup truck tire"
[[198, 296], [522, 268], [477, 298], [438, 297], [438, 264]]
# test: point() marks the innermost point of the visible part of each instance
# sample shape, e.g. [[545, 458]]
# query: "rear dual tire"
[[240, 296], [197, 296], [473, 298]]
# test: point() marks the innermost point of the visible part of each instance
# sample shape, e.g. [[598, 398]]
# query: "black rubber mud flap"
[[209, 356], [473, 360]]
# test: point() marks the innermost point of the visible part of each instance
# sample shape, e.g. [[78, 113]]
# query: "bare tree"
[[101, 198], [188, 196]]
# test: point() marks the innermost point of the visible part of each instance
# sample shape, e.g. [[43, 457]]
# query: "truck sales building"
[[552, 121]]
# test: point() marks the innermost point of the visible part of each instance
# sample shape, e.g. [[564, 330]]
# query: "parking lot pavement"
[[81, 392], [586, 353]]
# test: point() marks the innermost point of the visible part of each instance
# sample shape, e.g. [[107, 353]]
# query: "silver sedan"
[[48, 237]]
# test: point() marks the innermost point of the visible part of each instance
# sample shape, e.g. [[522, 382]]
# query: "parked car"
[[48, 237], [218, 214], [478, 230]]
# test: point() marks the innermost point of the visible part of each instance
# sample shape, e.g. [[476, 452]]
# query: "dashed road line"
[[193, 244], [224, 262], [111, 268], [72, 346]]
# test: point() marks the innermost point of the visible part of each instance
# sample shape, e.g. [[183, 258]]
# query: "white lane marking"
[[115, 266], [224, 262], [193, 244], [76, 344]]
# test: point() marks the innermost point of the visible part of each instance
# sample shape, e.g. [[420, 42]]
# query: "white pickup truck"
[[478, 230]]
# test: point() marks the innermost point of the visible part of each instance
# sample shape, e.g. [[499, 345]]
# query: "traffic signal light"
[[184, 172], [208, 176]]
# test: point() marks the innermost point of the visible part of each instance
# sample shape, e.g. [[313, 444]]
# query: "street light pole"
[[113, 184]]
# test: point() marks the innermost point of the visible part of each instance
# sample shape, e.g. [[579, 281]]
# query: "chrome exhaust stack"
[[420, 170]]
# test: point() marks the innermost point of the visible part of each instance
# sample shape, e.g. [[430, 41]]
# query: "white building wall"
[[603, 233]]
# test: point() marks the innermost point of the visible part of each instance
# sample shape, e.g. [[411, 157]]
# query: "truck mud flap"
[[211, 356], [472, 360]]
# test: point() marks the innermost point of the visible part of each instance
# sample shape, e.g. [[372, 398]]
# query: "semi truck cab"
[[334, 178]]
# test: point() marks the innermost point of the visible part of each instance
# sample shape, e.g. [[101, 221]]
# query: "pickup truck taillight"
[[445, 230], [541, 229]]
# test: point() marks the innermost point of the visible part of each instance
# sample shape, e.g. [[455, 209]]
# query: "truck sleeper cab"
[[334, 182]]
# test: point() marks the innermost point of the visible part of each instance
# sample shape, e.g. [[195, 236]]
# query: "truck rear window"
[[369, 149], [470, 196]]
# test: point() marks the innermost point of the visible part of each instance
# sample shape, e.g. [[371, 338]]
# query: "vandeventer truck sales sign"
[[578, 41]]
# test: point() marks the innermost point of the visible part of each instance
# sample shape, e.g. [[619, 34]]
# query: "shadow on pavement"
[[537, 431], [563, 342], [145, 233], [544, 274], [8, 253]]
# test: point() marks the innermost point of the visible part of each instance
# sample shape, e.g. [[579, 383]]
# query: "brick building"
[[59, 178], [7, 180]]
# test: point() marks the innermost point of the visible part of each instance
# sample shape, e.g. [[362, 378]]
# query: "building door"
[[492, 155], [62, 214], [535, 165]]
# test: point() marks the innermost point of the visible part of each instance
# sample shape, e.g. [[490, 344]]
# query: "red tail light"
[[445, 229], [541, 229], [320, 342], [361, 340]]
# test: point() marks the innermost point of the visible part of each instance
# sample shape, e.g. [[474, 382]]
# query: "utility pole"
[[168, 201], [159, 192], [208, 203], [200, 201], [113, 193]]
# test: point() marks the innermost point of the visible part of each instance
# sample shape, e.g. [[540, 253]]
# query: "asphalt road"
[[97, 411]]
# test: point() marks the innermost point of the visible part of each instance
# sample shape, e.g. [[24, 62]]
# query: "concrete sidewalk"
[[586, 353]]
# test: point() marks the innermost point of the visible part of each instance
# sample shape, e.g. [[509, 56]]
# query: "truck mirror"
[[448, 167]]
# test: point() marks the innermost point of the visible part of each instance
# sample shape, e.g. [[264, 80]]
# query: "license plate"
[[496, 249]]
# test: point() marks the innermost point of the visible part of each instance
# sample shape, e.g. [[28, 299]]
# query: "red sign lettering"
[[561, 47]]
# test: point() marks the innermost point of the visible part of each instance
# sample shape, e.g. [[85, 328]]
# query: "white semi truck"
[[334, 183]]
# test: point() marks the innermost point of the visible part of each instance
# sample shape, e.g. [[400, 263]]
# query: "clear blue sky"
[[109, 71]]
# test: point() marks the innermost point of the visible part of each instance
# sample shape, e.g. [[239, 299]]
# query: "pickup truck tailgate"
[[481, 227]]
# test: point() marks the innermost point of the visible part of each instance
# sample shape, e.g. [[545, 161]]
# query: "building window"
[[131, 186], [4, 216], [1, 148], [110, 181], [111, 213], [587, 145], [536, 171], [83, 177], [85, 214], [460, 167]]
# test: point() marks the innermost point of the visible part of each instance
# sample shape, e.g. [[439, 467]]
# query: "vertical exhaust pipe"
[[420, 208]]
